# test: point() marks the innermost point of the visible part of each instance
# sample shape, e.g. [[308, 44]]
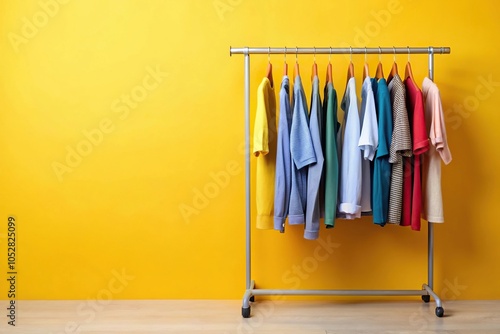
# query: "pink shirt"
[[432, 208]]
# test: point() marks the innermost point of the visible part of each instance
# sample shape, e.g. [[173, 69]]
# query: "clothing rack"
[[427, 288]]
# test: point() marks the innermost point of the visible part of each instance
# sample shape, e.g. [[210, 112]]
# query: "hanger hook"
[[350, 51], [394, 48], [296, 54], [330, 55], [379, 54], [365, 54], [285, 54], [408, 53], [269, 54], [315, 54]]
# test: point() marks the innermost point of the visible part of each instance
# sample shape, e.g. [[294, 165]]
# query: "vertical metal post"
[[430, 251], [430, 239], [431, 63], [247, 169]]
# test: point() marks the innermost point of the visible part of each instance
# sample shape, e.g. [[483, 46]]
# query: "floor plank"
[[276, 317]]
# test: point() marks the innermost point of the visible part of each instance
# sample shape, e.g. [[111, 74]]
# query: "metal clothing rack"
[[427, 288]]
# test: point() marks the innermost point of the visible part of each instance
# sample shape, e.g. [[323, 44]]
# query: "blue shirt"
[[316, 169], [283, 181], [302, 150]]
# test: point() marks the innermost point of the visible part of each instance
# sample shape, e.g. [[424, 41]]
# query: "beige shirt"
[[432, 208]]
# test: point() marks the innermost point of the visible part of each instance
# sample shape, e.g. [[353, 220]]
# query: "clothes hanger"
[[314, 67], [285, 67], [296, 71], [394, 69], [380, 72], [350, 69], [408, 71], [269, 73], [329, 78], [365, 68]]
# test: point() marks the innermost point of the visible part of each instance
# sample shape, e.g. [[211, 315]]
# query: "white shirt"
[[350, 165], [368, 141]]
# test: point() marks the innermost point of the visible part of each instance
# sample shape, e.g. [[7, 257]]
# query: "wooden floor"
[[268, 317]]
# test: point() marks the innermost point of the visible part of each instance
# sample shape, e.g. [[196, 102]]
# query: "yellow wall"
[[151, 83]]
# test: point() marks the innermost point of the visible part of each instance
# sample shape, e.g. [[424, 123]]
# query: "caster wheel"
[[245, 312], [439, 311], [426, 298], [252, 298]]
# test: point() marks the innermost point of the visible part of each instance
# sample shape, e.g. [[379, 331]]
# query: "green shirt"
[[331, 155]]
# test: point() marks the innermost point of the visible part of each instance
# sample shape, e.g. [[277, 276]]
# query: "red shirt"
[[412, 181]]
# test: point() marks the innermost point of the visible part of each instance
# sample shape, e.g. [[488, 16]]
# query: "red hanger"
[[394, 69], [380, 71], [350, 69], [296, 71], [269, 72], [365, 68], [408, 71], [285, 67], [329, 77], [314, 67]]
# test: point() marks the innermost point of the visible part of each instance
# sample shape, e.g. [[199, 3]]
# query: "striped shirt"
[[400, 147]]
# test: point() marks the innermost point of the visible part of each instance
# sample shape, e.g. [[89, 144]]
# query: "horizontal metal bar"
[[276, 292], [348, 50]]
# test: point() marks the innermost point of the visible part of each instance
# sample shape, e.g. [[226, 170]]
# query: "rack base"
[[426, 292]]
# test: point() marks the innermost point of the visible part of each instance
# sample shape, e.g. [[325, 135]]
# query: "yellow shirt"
[[264, 148]]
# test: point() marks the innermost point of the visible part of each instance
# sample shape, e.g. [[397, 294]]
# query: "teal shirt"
[[382, 167], [331, 155]]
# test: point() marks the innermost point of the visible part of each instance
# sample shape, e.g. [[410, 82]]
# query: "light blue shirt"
[[316, 169], [302, 150], [283, 184]]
